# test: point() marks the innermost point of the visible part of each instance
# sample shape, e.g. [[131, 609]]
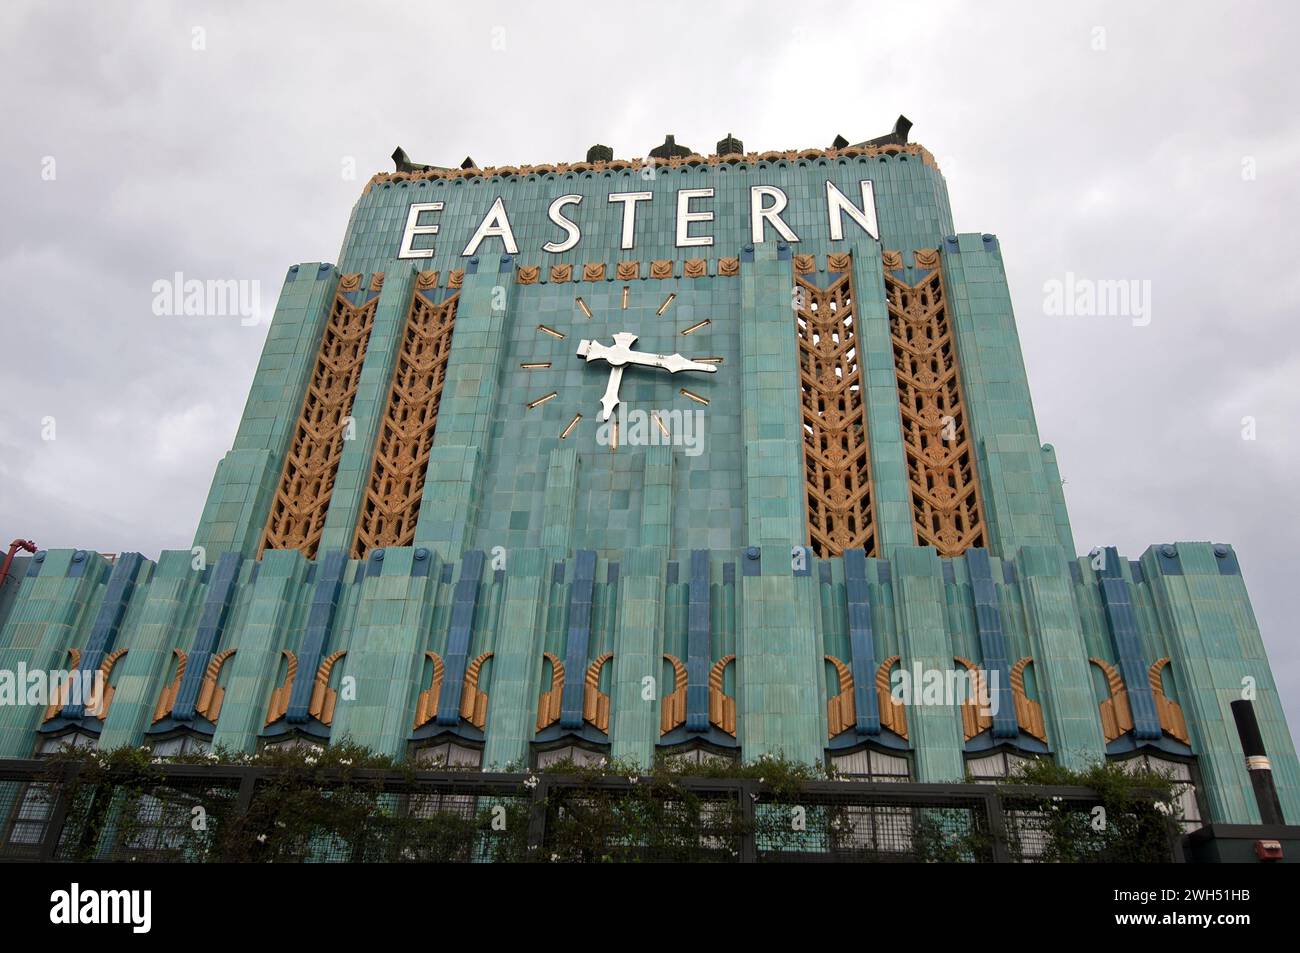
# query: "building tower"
[[697, 454]]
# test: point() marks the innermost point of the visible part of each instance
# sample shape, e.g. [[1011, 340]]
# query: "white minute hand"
[[669, 362], [622, 353]]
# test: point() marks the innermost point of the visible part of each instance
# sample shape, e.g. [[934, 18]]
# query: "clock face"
[[548, 418], [621, 364]]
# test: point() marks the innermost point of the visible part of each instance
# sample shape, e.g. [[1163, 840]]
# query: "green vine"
[[1134, 818], [345, 802]]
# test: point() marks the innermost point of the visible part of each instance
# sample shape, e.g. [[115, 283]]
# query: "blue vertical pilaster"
[[579, 639], [212, 621], [320, 619], [993, 643], [108, 621], [699, 653], [1121, 618], [464, 603], [862, 643]]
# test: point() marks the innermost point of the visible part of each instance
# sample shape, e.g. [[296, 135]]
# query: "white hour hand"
[[610, 400]]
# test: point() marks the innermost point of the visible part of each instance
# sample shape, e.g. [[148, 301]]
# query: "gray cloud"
[[227, 163]]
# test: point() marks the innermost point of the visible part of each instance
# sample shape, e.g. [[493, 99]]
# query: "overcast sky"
[[1157, 144]]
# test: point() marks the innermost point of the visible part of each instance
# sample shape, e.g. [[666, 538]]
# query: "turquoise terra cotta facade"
[[537, 544]]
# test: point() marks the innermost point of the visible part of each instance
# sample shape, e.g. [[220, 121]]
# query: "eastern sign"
[[693, 218]]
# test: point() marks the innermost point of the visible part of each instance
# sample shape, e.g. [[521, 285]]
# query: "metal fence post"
[[243, 804], [244, 801], [537, 817], [59, 815], [998, 828], [747, 791]]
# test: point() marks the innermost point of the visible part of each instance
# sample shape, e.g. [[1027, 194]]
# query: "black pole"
[[1257, 763]]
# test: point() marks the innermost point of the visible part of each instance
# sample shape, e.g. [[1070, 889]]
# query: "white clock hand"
[[595, 351], [672, 363], [621, 353], [610, 400]]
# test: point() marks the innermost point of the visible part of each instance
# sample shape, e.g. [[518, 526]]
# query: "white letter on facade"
[[837, 204], [685, 216], [556, 214], [413, 228], [758, 214], [496, 224], [629, 200]]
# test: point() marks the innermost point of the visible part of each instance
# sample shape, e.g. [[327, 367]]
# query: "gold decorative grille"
[[837, 465], [297, 514], [392, 502], [940, 459]]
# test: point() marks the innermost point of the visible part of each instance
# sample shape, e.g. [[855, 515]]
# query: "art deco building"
[[694, 453]]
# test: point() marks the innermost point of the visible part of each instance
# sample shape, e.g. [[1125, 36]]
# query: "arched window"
[[448, 756], [53, 744], [292, 743], [1027, 827], [991, 768], [877, 830], [871, 764], [33, 803], [182, 743], [688, 755], [29, 818], [445, 756], [578, 754], [1186, 802]]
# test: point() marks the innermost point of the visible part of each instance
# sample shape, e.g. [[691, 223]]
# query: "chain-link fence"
[[195, 813]]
